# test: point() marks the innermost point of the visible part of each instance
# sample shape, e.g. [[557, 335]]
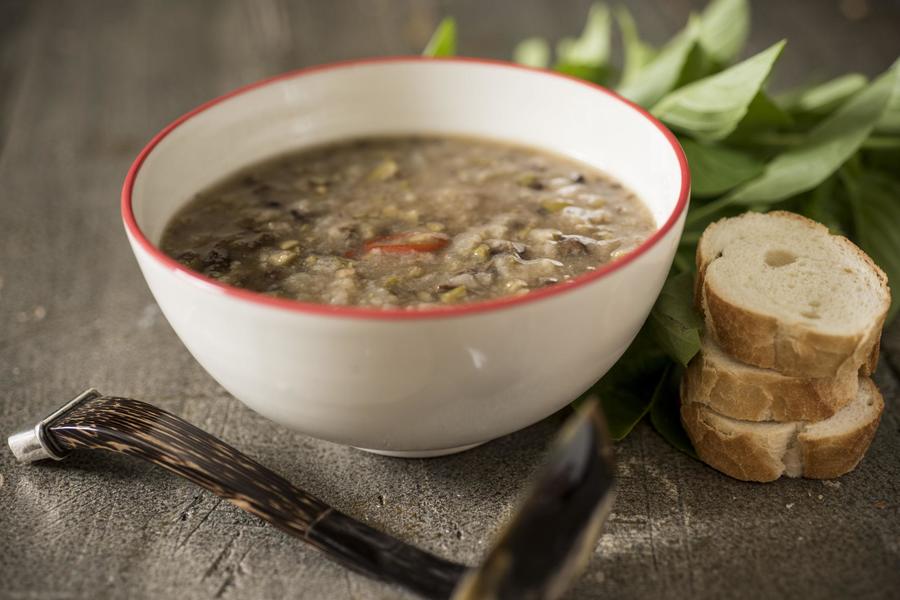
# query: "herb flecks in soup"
[[407, 222]]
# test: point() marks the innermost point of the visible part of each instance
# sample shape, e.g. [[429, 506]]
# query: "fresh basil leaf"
[[890, 121], [722, 31], [674, 322], [882, 143], [762, 114], [711, 108], [825, 97], [637, 53], [443, 40], [660, 76], [718, 169], [697, 66], [533, 52], [826, 148], [665, 414], [875, 199], [587, 56], [724, 28], [829, 206], [885, 159], [684, 258], [626, 391], [624, 407]]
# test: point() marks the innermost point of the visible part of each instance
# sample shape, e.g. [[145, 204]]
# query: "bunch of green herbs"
[[830, 151]]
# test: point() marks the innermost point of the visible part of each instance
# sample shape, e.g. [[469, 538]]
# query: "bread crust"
[[794, 349], [751, 455], [739, 456], [868, 367], [833, 456], [754, 394]]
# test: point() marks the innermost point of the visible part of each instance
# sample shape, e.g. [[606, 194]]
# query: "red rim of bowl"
[[132, 228]]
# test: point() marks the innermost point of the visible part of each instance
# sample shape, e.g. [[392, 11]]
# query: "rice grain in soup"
[[407, 222]]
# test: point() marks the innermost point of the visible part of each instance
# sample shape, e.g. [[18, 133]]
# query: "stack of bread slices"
[[793, 319]]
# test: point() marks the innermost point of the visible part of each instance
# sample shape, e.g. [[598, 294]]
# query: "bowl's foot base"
[[422, 453]]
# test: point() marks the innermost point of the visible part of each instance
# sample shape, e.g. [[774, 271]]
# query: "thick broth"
[[407, 222]]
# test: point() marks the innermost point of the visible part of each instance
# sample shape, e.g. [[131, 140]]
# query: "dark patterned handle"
[[139, 429]]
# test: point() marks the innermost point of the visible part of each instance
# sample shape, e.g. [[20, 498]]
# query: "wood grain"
[[135, 428], [83, 84]]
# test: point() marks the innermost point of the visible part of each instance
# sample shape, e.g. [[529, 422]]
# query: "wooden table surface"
[[84, 84]]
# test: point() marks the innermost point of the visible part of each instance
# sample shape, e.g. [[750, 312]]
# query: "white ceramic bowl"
[[409, 383]]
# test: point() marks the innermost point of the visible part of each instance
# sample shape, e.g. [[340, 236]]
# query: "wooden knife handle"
[[142, 430]]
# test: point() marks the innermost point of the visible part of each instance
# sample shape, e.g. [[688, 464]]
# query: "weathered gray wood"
[[84, 84], [13, 28]]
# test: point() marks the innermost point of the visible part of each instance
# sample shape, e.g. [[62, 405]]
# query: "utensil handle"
[[144, 431]]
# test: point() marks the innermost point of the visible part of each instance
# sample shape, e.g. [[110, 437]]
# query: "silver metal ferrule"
[[30, 445]]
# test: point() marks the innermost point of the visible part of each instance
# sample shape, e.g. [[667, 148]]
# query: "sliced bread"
[[778, 291], [754, 451], [741, 391]]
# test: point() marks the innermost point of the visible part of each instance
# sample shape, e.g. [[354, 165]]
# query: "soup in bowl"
[[411, 256]]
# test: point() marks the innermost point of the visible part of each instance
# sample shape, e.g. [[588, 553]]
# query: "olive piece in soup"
[[407, 222]]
